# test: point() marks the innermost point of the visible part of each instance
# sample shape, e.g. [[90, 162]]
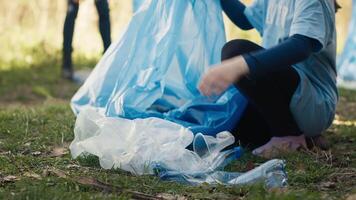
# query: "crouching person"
[[289, 81]]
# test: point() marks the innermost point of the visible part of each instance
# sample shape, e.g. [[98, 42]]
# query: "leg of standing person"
[[102, 7], [268, 114], [68, 31]]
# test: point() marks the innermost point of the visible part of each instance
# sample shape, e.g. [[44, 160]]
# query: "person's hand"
[[217, 79]]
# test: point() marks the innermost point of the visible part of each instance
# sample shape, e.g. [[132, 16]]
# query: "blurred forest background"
[[31, 28], [36, 122]]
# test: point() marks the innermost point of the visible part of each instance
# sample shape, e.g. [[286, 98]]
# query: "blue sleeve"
[[292, 51], [234, 9]]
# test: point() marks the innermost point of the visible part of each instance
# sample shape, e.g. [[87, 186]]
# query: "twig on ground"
[[88, 181]]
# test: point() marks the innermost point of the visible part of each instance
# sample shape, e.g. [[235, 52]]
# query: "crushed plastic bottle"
[[271, 174]]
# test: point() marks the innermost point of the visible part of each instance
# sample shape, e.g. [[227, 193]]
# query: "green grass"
[[35, 119], [26, 82]]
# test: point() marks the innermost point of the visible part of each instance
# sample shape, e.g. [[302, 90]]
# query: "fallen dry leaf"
[[328, 185], [32, 175], [57, 172], [351, 197], [72, 166], [5, 153], [59, 152], [45, 173], [167, 196], [36, 153], [9, 179]]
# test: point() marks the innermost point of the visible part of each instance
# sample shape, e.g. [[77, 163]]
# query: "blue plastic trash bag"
[[158, 146], [136, 4], [347, 60], [154, 69]]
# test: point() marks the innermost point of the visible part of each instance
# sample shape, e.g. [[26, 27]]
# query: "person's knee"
[[238, 47]]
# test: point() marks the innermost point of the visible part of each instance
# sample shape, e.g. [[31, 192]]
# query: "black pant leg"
[[252, 130], [268, 113], [270, 96], [68, 31], [102, 7]]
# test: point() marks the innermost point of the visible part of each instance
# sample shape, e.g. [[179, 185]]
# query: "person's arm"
[[292, 51], [256, 64], [234, 9]]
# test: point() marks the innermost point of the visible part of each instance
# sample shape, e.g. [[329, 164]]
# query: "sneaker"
[[278, 145]]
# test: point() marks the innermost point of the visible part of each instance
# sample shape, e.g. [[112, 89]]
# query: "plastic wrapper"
[[138, 145], [157, 146], [347, 60], [154, 69]]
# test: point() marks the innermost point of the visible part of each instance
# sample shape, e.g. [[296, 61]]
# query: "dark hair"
[[337, 6]]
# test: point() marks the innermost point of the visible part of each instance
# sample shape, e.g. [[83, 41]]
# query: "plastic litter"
[[271, 174], [154, 69], [347, 60], [140, 107], [157, 146], [133, 145]]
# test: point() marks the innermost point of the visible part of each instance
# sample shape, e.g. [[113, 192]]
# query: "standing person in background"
[[102, 7]]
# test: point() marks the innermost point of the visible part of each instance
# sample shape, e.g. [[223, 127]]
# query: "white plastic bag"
[[157, 146], [138, 145]]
